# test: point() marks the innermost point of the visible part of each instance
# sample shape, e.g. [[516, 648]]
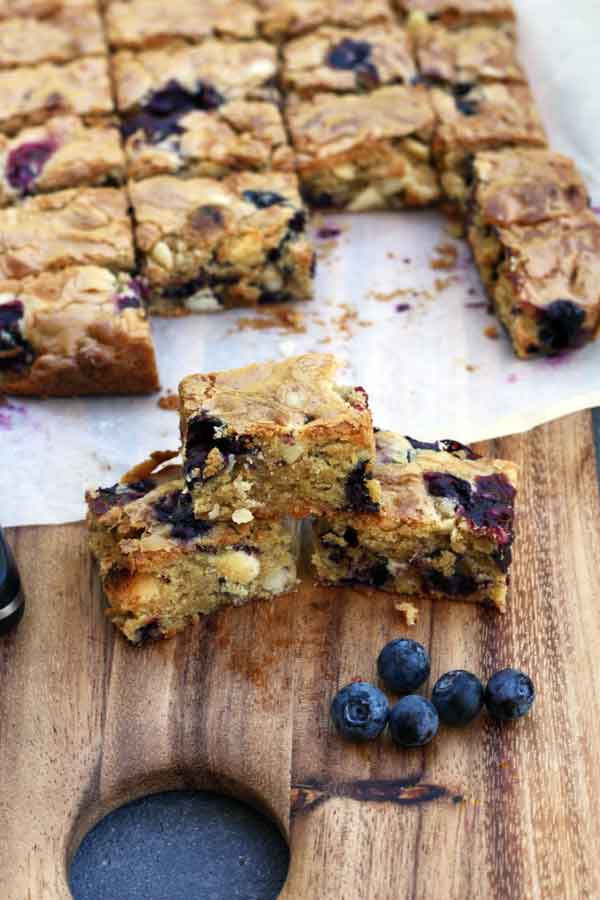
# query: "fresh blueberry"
[[458, 697], [25, 163], [561, 326], [403, 665], [509, 694], [414, 721], [360, 711], [358, 497]]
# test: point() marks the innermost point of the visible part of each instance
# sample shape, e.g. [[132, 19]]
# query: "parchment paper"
[[419, 348]]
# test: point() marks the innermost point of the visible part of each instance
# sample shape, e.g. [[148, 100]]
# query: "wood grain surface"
[[241, 705]]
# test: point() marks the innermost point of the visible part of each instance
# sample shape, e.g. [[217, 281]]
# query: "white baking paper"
[[418, 348]]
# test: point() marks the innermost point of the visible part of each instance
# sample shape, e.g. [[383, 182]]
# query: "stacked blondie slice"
[[267, 446]]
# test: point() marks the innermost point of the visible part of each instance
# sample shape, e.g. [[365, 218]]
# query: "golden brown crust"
[[78, 338], [81, 155], [74, 227], [479, 53], [522, 187], [288, 18], [453, 13], [69, 33], [248, 73], [141, 24], [31, 95], [307, 69]]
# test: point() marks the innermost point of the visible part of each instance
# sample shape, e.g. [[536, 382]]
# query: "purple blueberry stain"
[[160, 116], [204, 433], [15, 351], [358, 497], [120, 495], [133, 296], [329, 232], [402, 307], [488, 505], [355, 56], [8, 411], [176, 510], [25, 163], [151, 631]]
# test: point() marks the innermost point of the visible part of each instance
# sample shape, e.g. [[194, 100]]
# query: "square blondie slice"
[[244, 135], [277, 439], [207, 245], [445, 528], [476, 118], [67, 34], [166, 82], [81, 330], [162, 568], [348, 62], [142, 24], [456, 13], [466, 56], [543, 280], [365, 152], [80, 226], [285, 19], [64, 152], [33, 94]]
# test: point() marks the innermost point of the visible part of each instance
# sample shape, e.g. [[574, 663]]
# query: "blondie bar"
[[367, 151], [472, 118], [31, 95], [445, 527], [162, 568], [64, 152], [466, 56], [70, 32], [81, 330], [277, 439], [455, 13], [244, 135], [141, 24], [161, 82], [81, 226], [343, 61], [208, 244], [284, 19], [543, 281]]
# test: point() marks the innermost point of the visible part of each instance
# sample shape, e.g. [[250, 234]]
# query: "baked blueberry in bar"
[[466, 56], [160, 83], [80, 330], [472, 118], [67, 34], [445, 527], [207, 244], [33, 94], [363, 152], [141, 24], [63, 152], [80, 226], [285, 19], [162, 568], [543, 280], [343, 61], [277, 439], [244, 135], [456, 13]]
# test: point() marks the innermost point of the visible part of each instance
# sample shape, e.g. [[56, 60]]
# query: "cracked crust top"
[[486, 116], [289, 18], [297, 396], [479, 53], [136, 24], [74, 227], [461, 12], [330, 125], [236, 70], [69, 33], [336, 59], [523, 187]]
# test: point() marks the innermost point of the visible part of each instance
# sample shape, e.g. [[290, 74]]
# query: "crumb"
[[471, 368], [325, 340], [447, 256], [399, 293], [407, 260], [409, 611], [365, 323], [491, 332], [390, 254], [402, 307], [169, 401], [472, 292], [281, 317], [442, 284]]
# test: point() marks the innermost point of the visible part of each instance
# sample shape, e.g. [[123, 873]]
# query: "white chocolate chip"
[[162, 255], [277, 581], [237, 566], [214, 512], [367, 199], [346, 171], [391, 186], [292, 452], [295, 399], [203, 301], [241, 516]]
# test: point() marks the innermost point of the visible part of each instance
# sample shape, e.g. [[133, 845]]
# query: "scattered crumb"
[[407, 260], [390, 254], [442, 284], [447, 255], [283, 318], [512, 378], [402, 307], [472, 292], [471, 368], [169, 401], [325, 340], [365, 323], [491, 332], [409, 611], [410, 293]]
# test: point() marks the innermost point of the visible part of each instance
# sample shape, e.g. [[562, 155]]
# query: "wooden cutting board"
[[240, 705]]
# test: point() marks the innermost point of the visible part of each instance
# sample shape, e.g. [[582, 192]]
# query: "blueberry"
[[509, 694], [349, 54], [458, 697], [25, 163], [120, 495], [176, 510], [360, 711], [358, 497], [561, 326], [403, 665], [414, 721], [466, 107], [133, 296], [263, 199], [488, 504], [204, 433], [458, 584], [160, 116]]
